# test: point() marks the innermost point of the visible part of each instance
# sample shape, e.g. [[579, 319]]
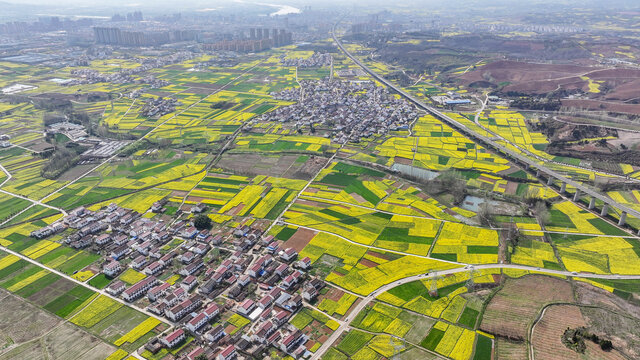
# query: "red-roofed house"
[[197, 322], [246, 307], [229, 353], [174, 338], [212, 311]]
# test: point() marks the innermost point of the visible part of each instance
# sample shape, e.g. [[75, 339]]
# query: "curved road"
[[345, 324], [486, 140]]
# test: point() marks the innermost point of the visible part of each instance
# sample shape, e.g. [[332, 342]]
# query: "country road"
[[100, 291], [345, 323]]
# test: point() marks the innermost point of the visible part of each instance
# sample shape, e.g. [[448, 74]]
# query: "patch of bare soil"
[[510, 350], [514, 308], [300, 239]]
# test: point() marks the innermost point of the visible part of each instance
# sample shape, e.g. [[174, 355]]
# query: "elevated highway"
[[539, 169]]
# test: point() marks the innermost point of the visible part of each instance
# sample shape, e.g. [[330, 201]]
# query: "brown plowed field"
[[537, 78], [300, 239], [547, 336], [516, 305], [507, 350]]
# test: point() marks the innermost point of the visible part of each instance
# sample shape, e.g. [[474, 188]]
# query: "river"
[[282, 9]]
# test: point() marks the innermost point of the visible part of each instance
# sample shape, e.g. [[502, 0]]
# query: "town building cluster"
[[258, 40], [257, 277], [159, 106], [123, 76], [315, 60], [354, 109]]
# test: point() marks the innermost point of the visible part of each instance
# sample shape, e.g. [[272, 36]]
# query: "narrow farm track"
[[34, 202], [315, 198], [341, 322], [151, 131], [43, 199], [279, 218], [215, 160]]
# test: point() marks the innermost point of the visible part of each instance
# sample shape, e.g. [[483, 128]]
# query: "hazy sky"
[[190, 5]]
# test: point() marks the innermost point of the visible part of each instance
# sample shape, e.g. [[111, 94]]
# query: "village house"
[[102, 239], [173, 339], [189, 282], [229, 353], [177, 312], [139, 289], [199, 208], [158, 291], [191, 268], [215, 334], [212, 311], [190, 232], [116, 288], [304, 263], [292, 341], [120, 252], [288, 255], [153, 268], [139, 262], [246, 307], [112, 268], [197, 322]]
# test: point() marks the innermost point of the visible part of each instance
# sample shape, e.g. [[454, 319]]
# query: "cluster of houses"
[[258, 277], [315, 60], [353, 109], [159, 106], [126, 75]]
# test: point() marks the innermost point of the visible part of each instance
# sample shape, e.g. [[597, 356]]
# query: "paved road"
[[345, 323], [100, 291], [488, 141]]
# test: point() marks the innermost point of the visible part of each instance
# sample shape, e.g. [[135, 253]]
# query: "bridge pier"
[[592, 203], [537, 173], [623, 219], [563, 187], [549, 181], [576, 196], [605, 210]]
